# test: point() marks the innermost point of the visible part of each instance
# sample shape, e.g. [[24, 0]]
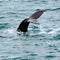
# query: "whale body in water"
[[23, 27]]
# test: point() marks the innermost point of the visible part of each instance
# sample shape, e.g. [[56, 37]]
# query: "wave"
[[1, 17], [53, 9], [54, 33], [11, 13], [4, 25]]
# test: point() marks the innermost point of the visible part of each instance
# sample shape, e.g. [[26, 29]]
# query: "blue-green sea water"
[[42, 42]]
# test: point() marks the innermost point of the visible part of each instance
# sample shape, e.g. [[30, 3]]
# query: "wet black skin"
[[23, 27]]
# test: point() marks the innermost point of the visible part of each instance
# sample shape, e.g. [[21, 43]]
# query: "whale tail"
[[33, 18]]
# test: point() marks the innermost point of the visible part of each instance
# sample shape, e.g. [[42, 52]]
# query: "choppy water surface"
[[43, 41]]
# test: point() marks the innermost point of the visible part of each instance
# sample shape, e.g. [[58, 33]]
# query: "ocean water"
[[42, 42]]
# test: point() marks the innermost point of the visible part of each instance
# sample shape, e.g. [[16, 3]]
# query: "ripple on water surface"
[[4, 25], [41, 43]]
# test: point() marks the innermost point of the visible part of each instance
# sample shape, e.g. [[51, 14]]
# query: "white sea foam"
[[54, 32], [9, 33]]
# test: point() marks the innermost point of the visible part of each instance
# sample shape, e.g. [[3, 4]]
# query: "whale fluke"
[[23, 27], [37, 14]]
